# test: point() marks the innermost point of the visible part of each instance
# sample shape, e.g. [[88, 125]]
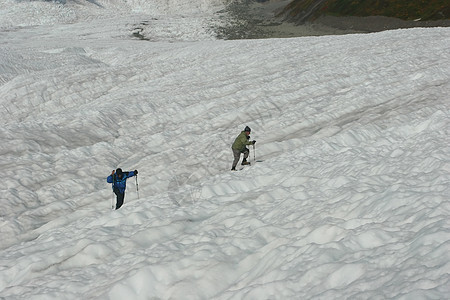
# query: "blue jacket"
[[120, 184]]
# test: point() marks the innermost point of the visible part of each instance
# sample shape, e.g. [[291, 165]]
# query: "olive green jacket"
[[240, 142]]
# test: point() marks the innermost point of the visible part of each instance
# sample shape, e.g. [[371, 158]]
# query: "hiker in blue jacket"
[[118, 178]]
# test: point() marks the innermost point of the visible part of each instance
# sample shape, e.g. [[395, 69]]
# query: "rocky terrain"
[[268, 19]]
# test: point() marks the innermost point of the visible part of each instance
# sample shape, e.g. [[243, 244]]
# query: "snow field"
[[350, 200]]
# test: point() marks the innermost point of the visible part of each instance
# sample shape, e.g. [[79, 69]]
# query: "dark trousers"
[[237, 156], [120, 197]]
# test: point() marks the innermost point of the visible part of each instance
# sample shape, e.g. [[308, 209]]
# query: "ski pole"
[[137, 187]]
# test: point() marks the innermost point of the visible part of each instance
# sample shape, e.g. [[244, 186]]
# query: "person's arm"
[[132, 173], [110, 178], [246, 141]]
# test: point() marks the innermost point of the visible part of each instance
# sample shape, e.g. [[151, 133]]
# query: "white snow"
[[351, 199]]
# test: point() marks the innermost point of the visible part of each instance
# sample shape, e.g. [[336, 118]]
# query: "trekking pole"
[[113, 194], [254, 154], [137, 187], [112, 201]]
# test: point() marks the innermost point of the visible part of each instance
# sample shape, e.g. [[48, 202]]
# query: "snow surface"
[[348, 199]]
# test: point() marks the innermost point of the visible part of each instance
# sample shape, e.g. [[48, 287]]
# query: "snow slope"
[[350, 198]]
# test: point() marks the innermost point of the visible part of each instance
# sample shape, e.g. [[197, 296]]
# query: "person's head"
[[119, 172], [247, 130]]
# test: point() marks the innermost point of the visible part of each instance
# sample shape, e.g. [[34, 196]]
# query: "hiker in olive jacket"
[[240, 146]]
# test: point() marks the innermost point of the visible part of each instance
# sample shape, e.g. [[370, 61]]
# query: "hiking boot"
[[245, 162]]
